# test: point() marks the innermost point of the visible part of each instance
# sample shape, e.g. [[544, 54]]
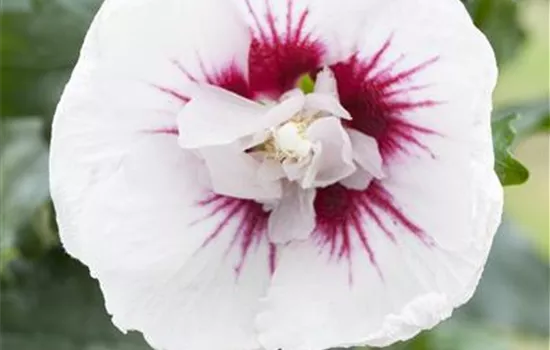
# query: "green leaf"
[[16, 5], [40, 42], [55, 305], [31, 92], [499, 20], [24, 186], [509, 170], [535, 117], [513, 292]]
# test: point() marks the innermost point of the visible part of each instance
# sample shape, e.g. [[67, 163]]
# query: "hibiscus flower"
[[279, 174]]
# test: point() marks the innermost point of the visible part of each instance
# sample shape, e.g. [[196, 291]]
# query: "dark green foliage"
[[53, 304], [498, 19], [40, 41]]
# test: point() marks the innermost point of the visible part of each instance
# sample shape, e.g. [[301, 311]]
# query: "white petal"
[[359, 180], [332, 161], [292, 94], [452, 195], [149, 242], [366, 153], [236, 174], [295, 171], [326, 83], [410, 286], [326, 103], [294, 216], [270, 170]]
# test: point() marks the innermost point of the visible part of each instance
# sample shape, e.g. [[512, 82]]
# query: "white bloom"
[[220, 207], [279, 153]]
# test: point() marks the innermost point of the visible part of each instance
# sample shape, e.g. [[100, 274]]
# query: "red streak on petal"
[[401, 91], [276, 60], [377, 103], [259, 27], [290, 5], [337, 219], [174, 93], [382, 199], [251, 229], [231, 78], [272, 258], [168, 131], [392, 80], [185, 72], [375, 60], [342, 214]]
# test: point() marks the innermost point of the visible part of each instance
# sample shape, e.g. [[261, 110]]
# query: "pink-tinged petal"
[[293, 218], [234, 173], [386, 262], [366, 153], [332, 160]]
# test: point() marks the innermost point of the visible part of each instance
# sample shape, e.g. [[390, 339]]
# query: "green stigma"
[[306, 84]]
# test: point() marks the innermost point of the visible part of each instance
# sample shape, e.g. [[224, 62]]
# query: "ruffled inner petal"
[[270, 170], [215, 116], [333, 159], [296, 171], [235, 173]]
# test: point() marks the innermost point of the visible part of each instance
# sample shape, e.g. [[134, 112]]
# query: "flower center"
[[291, 140], [258, 151], [288, 141]]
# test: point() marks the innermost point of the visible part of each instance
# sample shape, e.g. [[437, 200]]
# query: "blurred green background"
[[49, 302]]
